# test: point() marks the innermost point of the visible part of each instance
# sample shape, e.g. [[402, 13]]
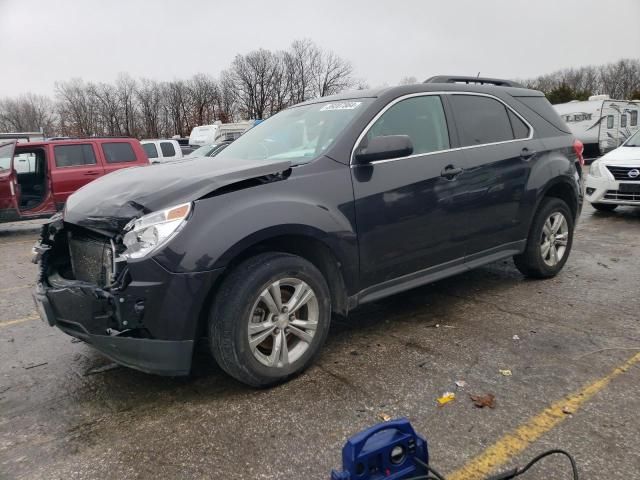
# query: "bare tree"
[[253, 76], [202, 93], [126, 89], [331, 74], [149, 99], [76, 108], [28, 112]]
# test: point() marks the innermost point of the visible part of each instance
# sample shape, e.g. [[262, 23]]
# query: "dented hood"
[[109, 202]]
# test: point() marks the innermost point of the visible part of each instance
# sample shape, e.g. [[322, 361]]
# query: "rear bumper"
[[150, 325]]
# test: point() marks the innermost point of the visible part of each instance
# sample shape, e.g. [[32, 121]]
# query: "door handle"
[[92, 173], [450, 172], [527, 154]]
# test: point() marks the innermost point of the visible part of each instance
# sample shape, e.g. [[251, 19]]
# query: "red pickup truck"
[[37, 177]]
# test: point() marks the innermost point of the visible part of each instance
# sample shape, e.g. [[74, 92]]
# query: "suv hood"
[[629, 156], [109, 202]]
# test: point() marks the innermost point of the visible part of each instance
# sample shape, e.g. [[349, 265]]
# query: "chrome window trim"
[[424, 94]]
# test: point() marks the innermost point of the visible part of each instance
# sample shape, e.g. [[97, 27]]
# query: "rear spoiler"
[[498, 82]]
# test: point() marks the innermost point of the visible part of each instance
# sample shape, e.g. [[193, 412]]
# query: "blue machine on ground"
[[385, 451], [394, 451]]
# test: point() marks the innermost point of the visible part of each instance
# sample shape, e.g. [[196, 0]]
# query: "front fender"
[[314, 202]]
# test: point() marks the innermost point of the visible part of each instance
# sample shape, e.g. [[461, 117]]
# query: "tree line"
[[256, 85], [619, 80]]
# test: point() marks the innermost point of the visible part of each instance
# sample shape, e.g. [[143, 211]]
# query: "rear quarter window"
[[520, 129], [541, 106], [74, 155], [118, 152]]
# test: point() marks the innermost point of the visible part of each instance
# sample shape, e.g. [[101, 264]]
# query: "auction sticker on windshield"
[[341, 106]]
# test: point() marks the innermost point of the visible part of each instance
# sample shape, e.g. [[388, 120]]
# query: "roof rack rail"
[[472, 81], [82, 137]]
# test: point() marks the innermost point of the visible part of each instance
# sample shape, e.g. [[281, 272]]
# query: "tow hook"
[[38, 251]]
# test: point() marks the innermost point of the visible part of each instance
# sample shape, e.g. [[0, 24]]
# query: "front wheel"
[[269, 319], [550, 240]]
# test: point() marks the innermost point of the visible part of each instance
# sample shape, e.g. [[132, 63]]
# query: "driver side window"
[[421, 118]]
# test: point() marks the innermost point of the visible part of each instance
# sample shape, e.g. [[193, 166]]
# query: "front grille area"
[[622, 196], [91, 258], [622, 173]]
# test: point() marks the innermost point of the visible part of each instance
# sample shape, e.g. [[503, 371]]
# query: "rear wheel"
[[269, 319], [549, 242], [604, 207]]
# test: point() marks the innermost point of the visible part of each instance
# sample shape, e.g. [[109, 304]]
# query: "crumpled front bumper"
[[151, 324]]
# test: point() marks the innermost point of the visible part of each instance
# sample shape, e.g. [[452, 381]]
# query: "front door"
[[9, 210], [403, 215]]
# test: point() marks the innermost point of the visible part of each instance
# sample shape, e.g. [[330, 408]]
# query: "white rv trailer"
[[207, 134], [601, 123]]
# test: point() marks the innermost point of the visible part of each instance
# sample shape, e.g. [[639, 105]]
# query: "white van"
[[160, 151], [218, 132]]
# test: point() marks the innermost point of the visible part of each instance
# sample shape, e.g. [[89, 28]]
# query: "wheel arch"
[[565, 190], [304, 241]]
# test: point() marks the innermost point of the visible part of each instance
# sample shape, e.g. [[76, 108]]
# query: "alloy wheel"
[[555, 236], [283, 322]]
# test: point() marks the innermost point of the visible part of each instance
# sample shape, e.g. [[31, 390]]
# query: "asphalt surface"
[[66, 412]]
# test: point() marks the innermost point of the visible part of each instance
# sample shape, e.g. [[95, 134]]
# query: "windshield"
[[299, 134], [6, 153], [202, 151], [634, 140]]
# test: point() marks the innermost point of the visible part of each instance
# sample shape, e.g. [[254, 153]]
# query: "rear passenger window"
[[118, 152], [150, 149], [634, 118], [481, 120], [421, 118], [74, 155], [167, 149], [520, 129]]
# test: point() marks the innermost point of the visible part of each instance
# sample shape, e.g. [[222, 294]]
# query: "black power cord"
[[434, 475]]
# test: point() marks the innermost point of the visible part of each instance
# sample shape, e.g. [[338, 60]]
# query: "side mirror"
[[383, 148]]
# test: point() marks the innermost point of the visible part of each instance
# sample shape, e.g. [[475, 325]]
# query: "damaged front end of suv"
[[100, 279]]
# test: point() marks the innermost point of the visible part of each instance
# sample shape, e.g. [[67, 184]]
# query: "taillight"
[[578, 147]]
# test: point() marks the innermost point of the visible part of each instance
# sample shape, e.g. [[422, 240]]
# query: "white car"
[[614, 179]]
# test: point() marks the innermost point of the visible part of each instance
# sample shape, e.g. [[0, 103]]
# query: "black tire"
[[233, 307], [604, 207], [531, 262]]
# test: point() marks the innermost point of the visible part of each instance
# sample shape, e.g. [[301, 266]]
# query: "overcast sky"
[[43, 41]]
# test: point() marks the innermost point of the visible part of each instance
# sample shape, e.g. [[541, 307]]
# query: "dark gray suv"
[[325, 206]]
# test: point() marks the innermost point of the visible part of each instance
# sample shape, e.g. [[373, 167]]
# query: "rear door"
[[8, 199], [498, 152], [72, 166], [119, 154]]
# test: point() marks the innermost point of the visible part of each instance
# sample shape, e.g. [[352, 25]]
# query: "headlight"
[[146, 234], [595, 170]]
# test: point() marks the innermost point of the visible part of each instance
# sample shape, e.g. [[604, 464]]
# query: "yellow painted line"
[[517, 441], [13, 289], [19, 320]]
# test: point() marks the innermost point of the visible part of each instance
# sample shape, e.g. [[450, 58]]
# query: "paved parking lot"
[[66, 412]]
